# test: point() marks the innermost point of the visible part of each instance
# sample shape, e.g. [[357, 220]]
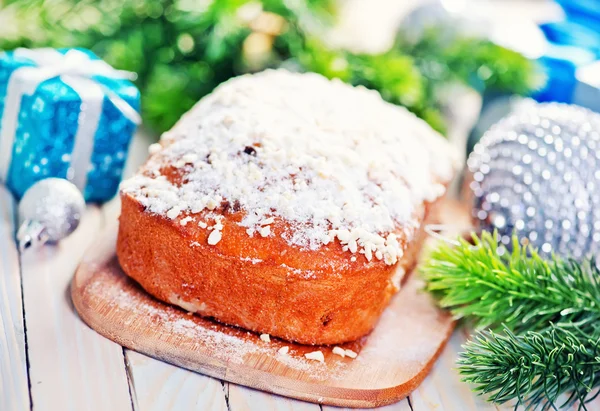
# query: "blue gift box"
[[572, 58], [76, 123]]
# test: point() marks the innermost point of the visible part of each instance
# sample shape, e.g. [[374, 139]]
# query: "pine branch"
[[548, 311], [520, 290], [181, 50], [474, 61], [534, 368]]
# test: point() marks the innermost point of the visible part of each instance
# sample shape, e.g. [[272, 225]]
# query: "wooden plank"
[[159, 386], [443, 389], [71, 367], [14, 386], [246, 399]]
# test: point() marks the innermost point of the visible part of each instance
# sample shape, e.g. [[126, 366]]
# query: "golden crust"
[[261, 284], [217, 154]]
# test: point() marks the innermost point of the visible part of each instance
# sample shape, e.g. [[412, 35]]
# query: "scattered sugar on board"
[[223, 346], [417, 343], [335, 162]]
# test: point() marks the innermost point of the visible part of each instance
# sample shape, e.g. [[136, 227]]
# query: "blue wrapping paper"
[[48, 121], [573, 48]]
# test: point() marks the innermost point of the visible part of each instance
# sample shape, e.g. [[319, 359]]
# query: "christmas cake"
[[287, 204]]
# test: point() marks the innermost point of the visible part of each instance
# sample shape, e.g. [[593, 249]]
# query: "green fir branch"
[[547, 313], [182, 49], [521, 290], [534, 369], [477, 62]]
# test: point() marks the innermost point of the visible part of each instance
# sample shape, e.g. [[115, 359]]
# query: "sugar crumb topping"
[[284, 350], [335, 162], [265, 337]]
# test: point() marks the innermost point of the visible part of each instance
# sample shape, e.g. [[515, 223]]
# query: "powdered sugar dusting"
[[222, 345], [334, 161]]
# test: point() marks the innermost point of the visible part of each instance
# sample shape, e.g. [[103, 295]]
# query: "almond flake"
[[154, 148], [185, 220], [173, 212], [339, 351], [265, 231], [214, 237], [315, 355]]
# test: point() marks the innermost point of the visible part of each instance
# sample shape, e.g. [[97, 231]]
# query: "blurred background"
[[451, 62]]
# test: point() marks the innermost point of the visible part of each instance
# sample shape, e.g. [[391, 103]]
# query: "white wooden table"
[[51, 360]]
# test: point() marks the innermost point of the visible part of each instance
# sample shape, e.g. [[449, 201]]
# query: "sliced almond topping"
[[154, 148], [315, 355], [267, 221], [173, 212], [185, 220], [265, 231], [351, 354], [269, 162], [339, 351], [284, 350], [214, 237], [189, 158]]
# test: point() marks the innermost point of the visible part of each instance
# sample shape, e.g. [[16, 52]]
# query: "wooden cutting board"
[[392, 361]]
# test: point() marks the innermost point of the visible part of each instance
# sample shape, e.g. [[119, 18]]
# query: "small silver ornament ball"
[[537, 173], [49, 211]]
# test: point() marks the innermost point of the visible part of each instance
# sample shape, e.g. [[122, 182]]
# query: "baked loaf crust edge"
[[324, 299], [284, 203]]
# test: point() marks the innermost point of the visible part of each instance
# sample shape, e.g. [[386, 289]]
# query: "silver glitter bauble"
[[537, 173], [49, 211]]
